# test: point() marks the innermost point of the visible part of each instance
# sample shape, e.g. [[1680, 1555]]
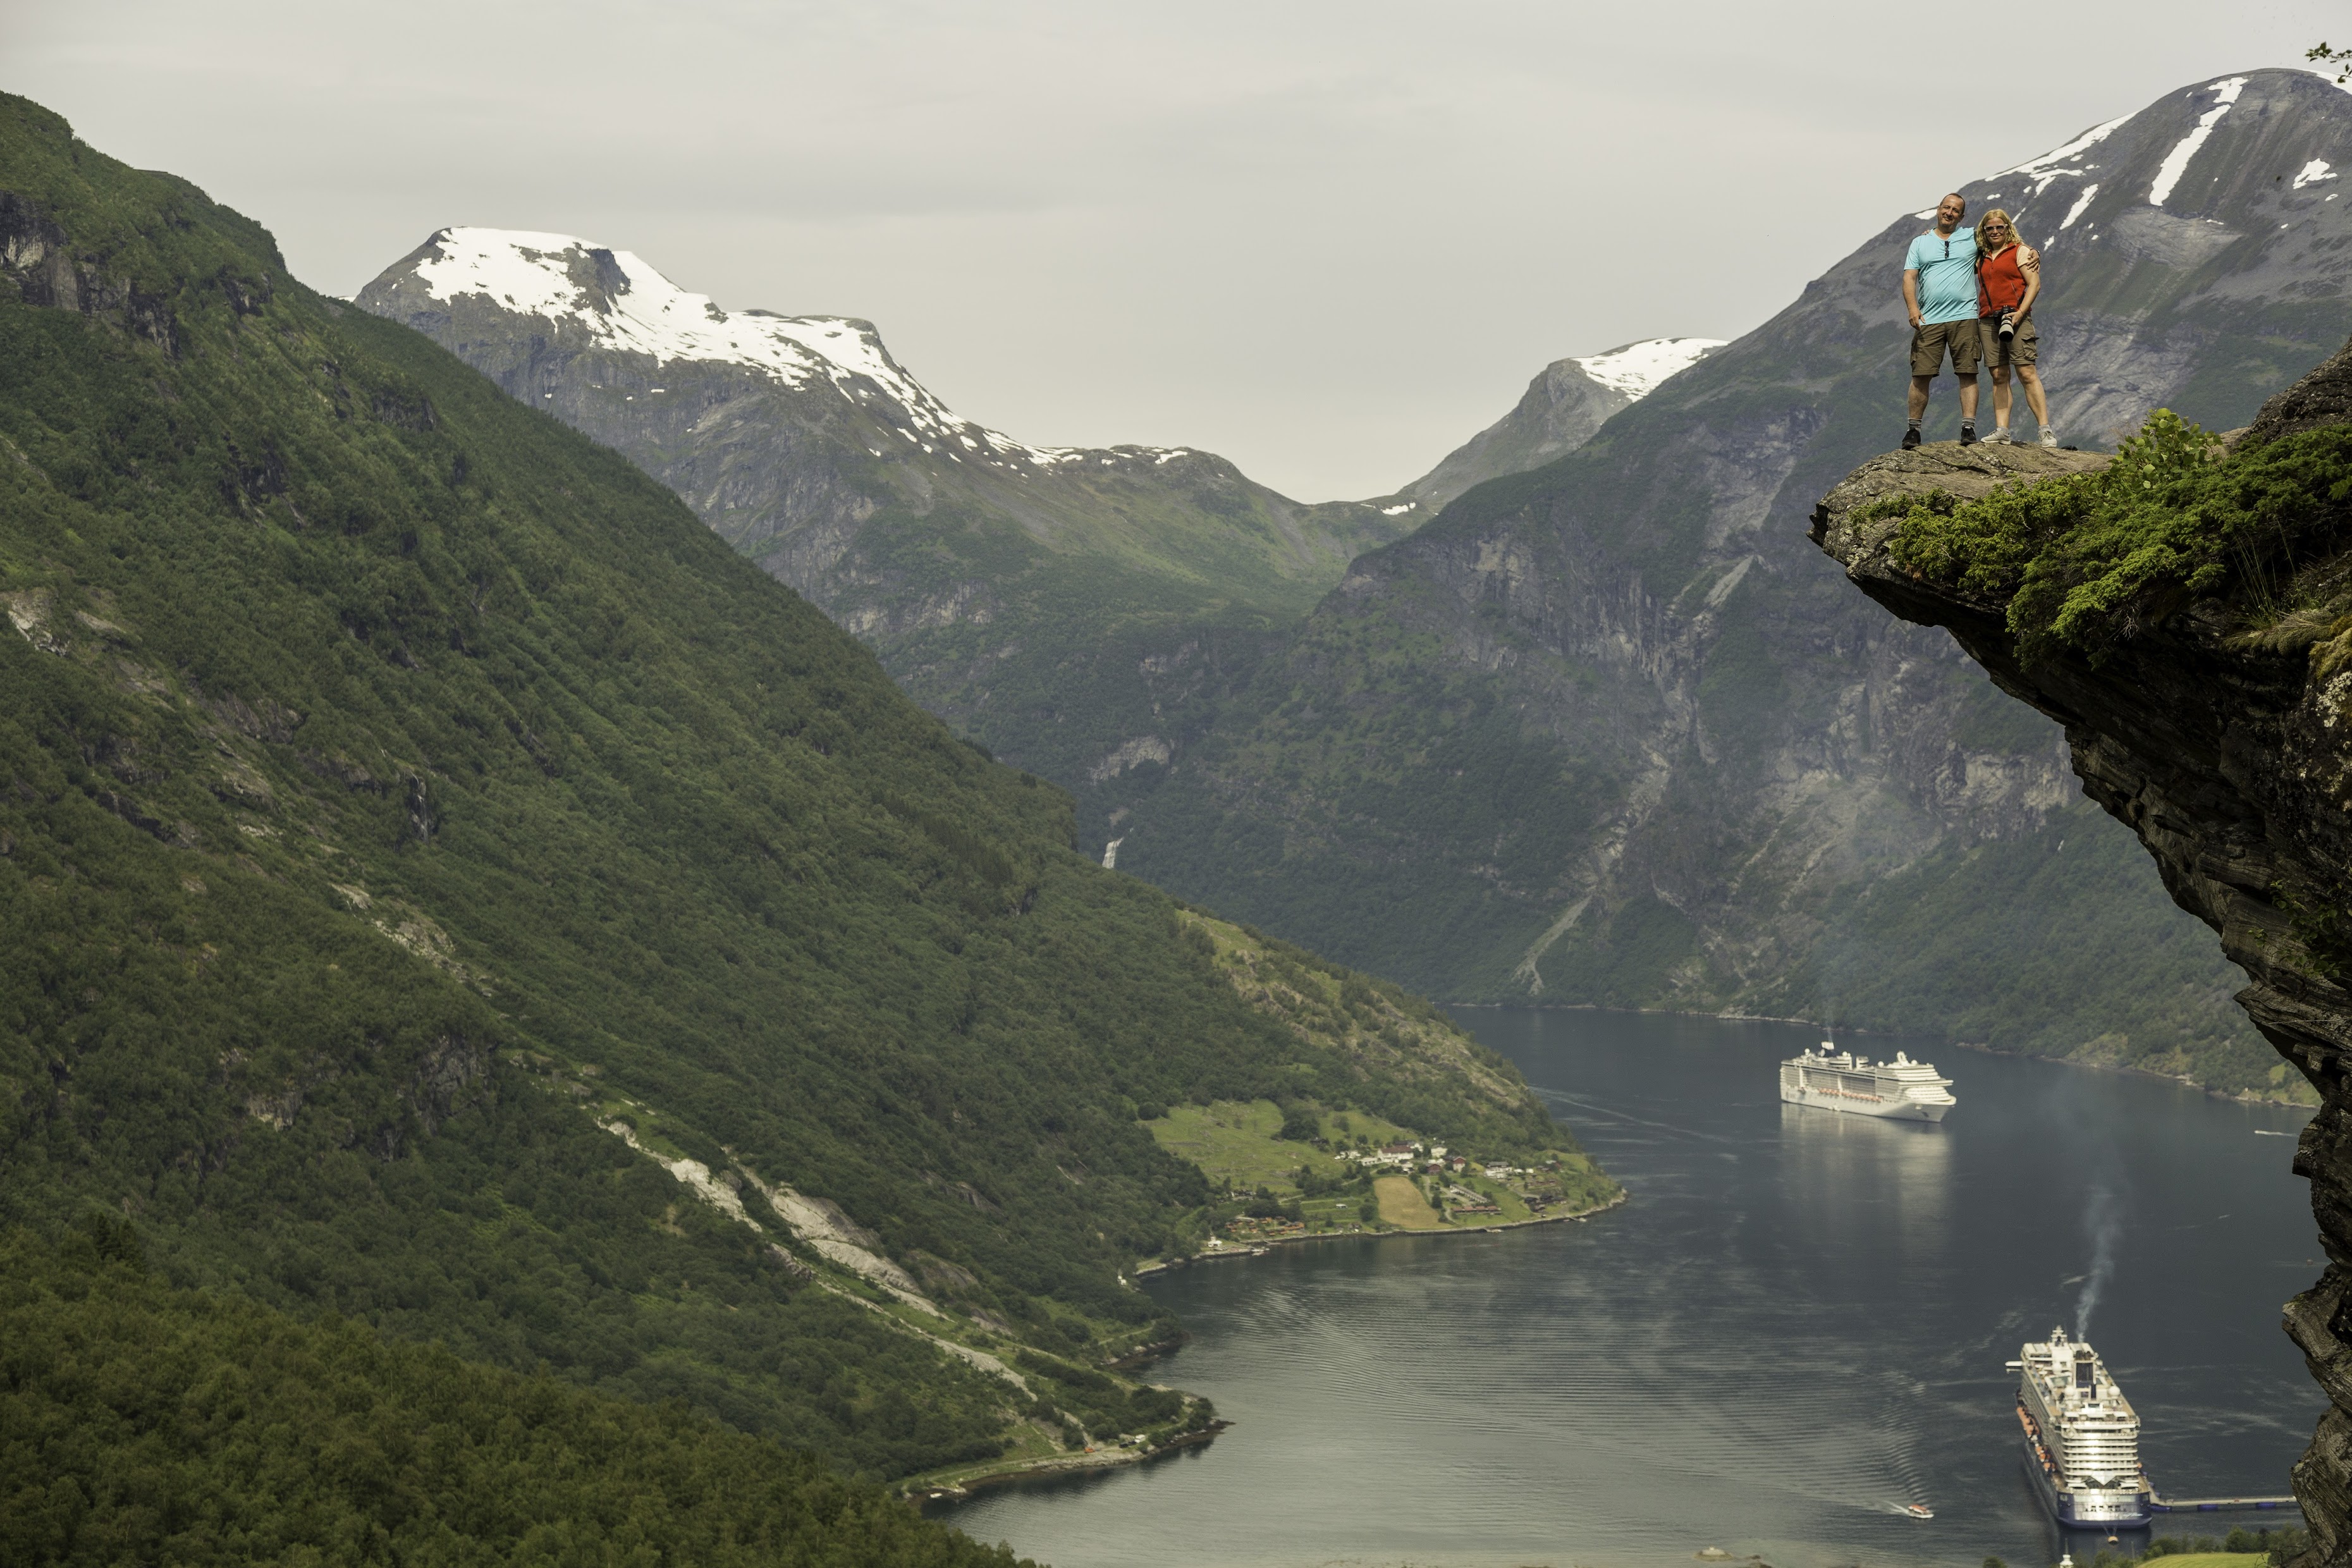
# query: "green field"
[[1402, 1205], [1239, 1146], [1236, 1145]]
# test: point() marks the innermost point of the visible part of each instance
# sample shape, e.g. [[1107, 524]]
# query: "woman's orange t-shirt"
[[2001, 283]]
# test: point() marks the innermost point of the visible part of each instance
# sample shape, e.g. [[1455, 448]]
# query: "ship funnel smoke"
[[2104, 1219]]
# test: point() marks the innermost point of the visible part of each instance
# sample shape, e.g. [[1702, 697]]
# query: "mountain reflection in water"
[[1796, 1326], [1859, 1183]]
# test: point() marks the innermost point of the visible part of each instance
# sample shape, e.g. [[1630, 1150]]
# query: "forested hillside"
[[442, 882], [146, 1424]]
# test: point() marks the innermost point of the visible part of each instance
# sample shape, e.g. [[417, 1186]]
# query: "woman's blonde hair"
[[2001, 217]]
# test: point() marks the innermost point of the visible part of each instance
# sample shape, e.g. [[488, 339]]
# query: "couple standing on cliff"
[[1970, 294]]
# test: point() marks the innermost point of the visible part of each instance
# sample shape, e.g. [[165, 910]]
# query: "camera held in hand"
[[2008, 328]]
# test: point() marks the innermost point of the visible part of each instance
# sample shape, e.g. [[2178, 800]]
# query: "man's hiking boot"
[[1968, 435], [1910, 437], [2050, 435]]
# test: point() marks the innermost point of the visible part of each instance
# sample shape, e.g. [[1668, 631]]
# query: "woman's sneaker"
[[2000, 437], [2050, 435]]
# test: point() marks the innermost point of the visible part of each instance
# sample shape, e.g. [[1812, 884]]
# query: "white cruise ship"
[[2082, 1436], [1901, 1089]]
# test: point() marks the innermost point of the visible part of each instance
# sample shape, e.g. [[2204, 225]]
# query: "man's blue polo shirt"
[[1947, 275]]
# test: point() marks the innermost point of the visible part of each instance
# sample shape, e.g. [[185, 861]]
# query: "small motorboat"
[[1918, 1510]]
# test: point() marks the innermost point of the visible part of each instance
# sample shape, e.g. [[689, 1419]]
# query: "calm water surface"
[[1797, 1322]]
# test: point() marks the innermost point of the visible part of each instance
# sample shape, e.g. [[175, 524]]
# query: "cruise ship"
[[1901, 1089], [2082, 1436]]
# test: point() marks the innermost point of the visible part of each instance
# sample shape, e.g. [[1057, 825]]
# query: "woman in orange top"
[[2009, 276]]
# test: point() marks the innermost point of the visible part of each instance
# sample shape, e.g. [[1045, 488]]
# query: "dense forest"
[[140, 1423]]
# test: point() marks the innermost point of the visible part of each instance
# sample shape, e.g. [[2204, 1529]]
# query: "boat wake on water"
[[1901, 1510]]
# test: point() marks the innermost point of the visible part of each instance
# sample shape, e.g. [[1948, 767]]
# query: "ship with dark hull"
[[2080, 1438]]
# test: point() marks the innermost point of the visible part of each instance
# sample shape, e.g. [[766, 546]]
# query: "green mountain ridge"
[[445, 884]]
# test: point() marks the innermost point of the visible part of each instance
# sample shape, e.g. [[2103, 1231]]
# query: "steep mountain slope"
[[2187, 617], [1561, 409], [441, 881], [1010, 588], [1608, 732]]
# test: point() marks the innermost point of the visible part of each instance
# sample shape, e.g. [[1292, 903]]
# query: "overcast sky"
[[1329, 239]]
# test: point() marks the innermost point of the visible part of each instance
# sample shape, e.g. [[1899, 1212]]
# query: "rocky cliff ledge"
[[2218, 730]]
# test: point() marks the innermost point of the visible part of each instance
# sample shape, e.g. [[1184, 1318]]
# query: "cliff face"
[[2219, 737]]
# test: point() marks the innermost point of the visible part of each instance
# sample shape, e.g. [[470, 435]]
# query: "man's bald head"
[[1949, 211]]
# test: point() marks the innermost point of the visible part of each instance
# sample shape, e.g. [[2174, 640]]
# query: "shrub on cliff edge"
[[2088, 561]]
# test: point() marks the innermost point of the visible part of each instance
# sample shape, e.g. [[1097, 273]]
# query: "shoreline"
[[2241, 1097], [1070, 1466], [1260, 1248], [1060, 1466]]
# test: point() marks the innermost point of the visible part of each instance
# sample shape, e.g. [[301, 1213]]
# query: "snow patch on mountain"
[[2176, 163], [1636, 369], [2045, 169], [625, 306]]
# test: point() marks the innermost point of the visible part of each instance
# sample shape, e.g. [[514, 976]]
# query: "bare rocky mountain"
[[1610, 732]]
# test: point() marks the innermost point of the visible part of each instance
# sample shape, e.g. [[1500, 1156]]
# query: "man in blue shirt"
[[1939, 290]]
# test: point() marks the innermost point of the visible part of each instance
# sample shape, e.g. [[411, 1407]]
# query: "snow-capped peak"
[[627, 306], [1636, 369]]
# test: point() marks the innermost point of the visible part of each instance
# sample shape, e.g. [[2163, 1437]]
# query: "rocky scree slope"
[[2188, 619], [1010, 588], [1612, 735], [443, 882]]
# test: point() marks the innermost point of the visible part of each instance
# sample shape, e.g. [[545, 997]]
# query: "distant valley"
[[1575, 717], [1036, 596]]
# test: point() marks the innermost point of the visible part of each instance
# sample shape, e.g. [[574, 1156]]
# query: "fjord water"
[[1797, 1324]]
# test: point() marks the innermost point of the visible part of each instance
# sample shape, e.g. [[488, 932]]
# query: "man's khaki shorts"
[[1929, 342], [2023, 347]]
